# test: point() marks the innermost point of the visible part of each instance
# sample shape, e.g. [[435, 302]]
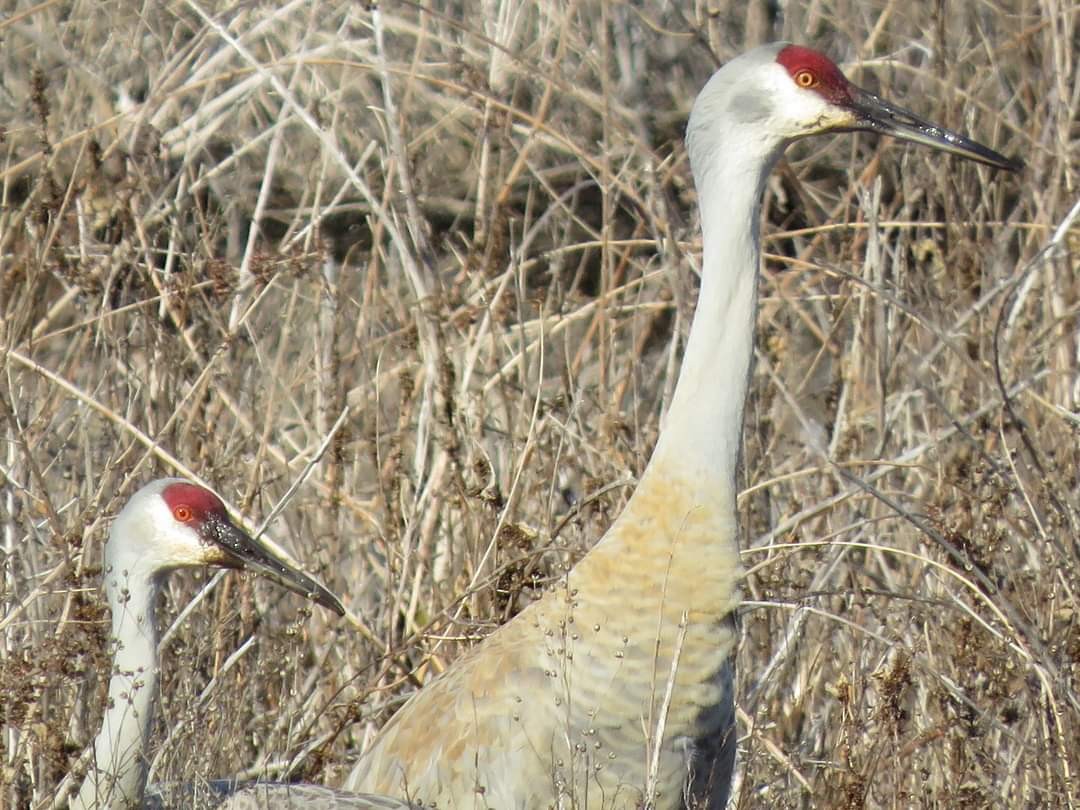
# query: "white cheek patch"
[[188, 550]]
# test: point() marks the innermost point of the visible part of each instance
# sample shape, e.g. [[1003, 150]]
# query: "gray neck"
[[703, 427], [117, 778]]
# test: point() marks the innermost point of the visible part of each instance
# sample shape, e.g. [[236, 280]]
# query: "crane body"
[[615, 689], [571, 694]]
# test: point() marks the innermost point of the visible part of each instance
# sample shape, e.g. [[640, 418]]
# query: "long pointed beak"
[[877, 115], [239, 550]]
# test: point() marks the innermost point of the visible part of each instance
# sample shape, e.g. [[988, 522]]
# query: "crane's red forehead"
[[200, 500], [832, 84]]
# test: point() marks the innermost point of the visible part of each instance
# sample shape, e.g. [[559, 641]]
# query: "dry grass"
[[437, 272]]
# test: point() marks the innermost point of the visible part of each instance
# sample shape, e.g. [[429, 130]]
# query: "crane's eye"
[[182, 513], [806, 79]]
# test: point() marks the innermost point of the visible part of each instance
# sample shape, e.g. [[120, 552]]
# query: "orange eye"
[[806, 79], [182, 513]]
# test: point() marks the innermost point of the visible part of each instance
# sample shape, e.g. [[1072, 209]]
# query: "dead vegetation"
[[428, 272]]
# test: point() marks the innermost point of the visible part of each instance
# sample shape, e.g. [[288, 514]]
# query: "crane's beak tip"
[[332, 603], [1015, 165]]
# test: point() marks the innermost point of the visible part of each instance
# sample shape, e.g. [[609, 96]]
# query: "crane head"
[[780, 92], [850, 108], [171, 523]]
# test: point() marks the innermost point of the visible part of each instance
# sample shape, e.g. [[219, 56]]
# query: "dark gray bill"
[[877, 115], [241, 551]]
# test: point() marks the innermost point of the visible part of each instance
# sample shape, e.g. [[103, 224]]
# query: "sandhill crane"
[[170, 524], [615, 689]]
